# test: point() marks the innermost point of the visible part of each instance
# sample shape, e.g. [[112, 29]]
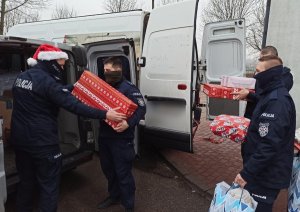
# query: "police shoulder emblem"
[[263, 129], [141, 102]]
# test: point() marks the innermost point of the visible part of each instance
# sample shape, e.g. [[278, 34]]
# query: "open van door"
[[167, 75], [97, 52], [223, 53]]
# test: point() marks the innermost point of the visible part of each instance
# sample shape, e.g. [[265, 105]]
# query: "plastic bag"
[[294, 188], [232, 199]]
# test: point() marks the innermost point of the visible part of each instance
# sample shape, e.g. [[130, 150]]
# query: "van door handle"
[[141, 61]]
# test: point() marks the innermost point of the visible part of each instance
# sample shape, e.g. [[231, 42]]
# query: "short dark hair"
[[269, 50], [116, 62], [270, 57]]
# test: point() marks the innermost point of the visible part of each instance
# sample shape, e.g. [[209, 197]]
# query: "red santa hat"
[[47, 52]]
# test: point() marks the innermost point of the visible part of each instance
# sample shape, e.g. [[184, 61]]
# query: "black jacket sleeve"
[[273, 122], [253, 97], [140, 112], [61, 96]]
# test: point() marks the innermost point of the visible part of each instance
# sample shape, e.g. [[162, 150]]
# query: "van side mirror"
[[80, 55]]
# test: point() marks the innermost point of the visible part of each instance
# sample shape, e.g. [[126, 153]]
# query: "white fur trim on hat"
[[31, 61], [297, 135], [52, 55]]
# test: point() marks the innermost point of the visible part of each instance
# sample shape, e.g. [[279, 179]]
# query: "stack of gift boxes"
[[228, 86], [95, 92], [232, 127]]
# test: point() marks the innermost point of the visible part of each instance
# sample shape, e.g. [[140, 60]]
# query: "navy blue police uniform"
[[268, 150], [117, 149], [253, 98], [38, 94]]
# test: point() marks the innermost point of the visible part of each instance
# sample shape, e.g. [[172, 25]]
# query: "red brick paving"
[[212, 163]]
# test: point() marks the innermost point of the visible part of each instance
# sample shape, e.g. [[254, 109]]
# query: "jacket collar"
[[51, 67], [270, 79]]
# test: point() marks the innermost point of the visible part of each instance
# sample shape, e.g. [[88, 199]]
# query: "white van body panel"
[[168, 52], [283, 33], [122, 25]]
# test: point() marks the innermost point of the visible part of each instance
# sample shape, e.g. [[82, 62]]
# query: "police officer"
[[116, 146], [38, 94], [268, 152], [253, 98]]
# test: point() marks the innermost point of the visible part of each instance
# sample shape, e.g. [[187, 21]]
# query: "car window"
[[10, 67]]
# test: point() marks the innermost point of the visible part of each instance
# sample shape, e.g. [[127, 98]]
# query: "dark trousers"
[[42, 170], [116, 157], [265, 197]]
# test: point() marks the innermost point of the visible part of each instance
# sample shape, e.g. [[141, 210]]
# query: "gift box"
[[95, 92], [232, 127], [238, 82], [212, 90], [219, 91]]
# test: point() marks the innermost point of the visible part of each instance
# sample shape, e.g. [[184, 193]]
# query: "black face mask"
[[113, 77], [54, 68]]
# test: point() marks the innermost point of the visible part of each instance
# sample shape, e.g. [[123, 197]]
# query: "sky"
[[88, 7], [84, 7]]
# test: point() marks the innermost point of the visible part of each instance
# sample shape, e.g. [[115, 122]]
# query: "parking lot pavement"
[[159, 188]]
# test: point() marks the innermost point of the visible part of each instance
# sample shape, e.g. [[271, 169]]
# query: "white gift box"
[[238, 82]]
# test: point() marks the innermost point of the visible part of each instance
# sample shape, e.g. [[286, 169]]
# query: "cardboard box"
[[6, 112], [95, 92], [238, 82]]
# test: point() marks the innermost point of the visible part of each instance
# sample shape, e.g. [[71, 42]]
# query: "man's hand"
[[122, 126], [239, 180], [242, 94], [113, 115]]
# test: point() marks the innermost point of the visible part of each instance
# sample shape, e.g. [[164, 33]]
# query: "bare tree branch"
[[63, 11], [120, 5], [16, 11]]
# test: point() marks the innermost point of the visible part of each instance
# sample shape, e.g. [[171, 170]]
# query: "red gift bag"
[[232, 127], [95, 92]]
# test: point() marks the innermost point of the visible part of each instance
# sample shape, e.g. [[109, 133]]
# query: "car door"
[[167, 75], [3, 193], [223, 53]]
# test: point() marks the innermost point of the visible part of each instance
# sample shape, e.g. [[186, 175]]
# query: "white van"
[[283, 32], [169, 76]]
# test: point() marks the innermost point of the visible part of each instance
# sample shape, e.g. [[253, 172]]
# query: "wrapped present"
[[297, 141], [232, 127], [212, 90], [219, 91], [238, 82], [95, 92]]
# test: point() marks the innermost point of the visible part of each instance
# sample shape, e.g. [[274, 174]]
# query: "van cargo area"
[[13, 59]]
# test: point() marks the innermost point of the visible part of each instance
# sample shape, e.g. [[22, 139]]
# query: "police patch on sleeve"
[[141, 102], [268, 116], [263, 129]]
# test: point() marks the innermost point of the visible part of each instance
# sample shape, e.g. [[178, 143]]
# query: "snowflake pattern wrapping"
[[232, 127]]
